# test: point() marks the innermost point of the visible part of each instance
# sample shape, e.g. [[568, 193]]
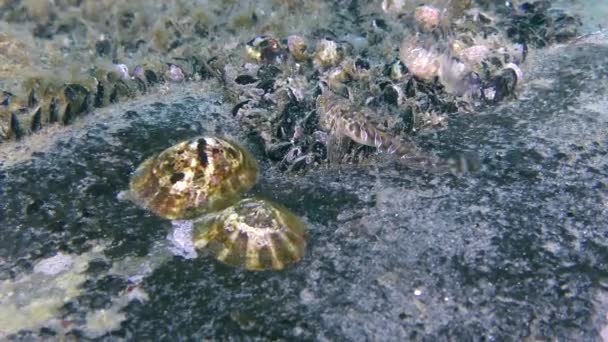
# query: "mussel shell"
[[392, 95], [16, 129], [54, 110], [254, 234], [501, 86], [36, 123], [193, 177], [151, 77]]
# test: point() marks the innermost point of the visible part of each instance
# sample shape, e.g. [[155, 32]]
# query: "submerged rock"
[[515, 251]]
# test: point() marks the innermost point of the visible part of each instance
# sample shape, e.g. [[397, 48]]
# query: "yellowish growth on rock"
[[31, 301], [99, 322]]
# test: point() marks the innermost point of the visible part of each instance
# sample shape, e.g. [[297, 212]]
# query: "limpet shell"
[[254, 234], [193, 177]]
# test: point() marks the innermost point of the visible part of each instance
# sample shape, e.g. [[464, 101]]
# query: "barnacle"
[[46, 102], [428, 18], [254, 234], [297, 47], [327, 54], [193, 177], [181, 43], [420, 61], [49, 99]]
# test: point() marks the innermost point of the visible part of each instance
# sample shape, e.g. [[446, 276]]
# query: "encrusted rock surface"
[[514, 251]]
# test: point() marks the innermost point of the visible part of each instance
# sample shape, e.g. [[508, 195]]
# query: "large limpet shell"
[[254, 234], [193, 177]]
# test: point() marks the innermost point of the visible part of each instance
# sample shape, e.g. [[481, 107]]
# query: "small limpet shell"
[[193, 177], [254, 234]]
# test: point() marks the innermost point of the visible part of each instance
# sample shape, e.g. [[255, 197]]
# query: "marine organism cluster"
[[204, 179], [397, 69]]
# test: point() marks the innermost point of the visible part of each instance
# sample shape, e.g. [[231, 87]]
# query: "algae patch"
[[33, 300]]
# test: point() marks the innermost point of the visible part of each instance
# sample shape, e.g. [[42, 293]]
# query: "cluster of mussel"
[[453, 59], [459, 60], [539, 24], [203, 179], [286, 91], [52, 101]]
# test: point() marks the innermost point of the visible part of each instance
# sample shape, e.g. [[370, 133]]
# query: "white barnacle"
[[122, 71], [427, 17], [422, 62], [327, 53], [175, 74]]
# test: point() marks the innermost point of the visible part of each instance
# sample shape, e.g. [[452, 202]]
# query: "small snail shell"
[[174, 73], [193, 177], [254, 234]]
